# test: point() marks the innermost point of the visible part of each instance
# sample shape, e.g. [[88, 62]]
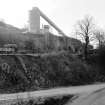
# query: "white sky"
[[65, 13]]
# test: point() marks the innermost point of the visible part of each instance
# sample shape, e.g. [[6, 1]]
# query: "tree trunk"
[[86, 47], [86, 52]]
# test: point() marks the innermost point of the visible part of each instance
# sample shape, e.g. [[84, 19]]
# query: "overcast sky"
[[65, 13]]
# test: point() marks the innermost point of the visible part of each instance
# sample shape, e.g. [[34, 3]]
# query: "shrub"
[[98, 59]]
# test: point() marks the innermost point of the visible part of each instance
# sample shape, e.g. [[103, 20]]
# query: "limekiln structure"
[[34, 21]]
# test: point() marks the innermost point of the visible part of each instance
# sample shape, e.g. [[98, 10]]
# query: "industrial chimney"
[[34, 20]]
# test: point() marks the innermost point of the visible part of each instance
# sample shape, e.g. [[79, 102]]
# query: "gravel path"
[[76, 90]]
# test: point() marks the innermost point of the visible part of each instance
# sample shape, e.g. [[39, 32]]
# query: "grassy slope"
[[44, 72]]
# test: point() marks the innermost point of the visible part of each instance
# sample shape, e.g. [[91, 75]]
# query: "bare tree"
[[85, 31], [100, 37]]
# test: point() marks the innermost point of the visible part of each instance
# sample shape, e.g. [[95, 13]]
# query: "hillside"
[[56, 66], [27, 73]]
